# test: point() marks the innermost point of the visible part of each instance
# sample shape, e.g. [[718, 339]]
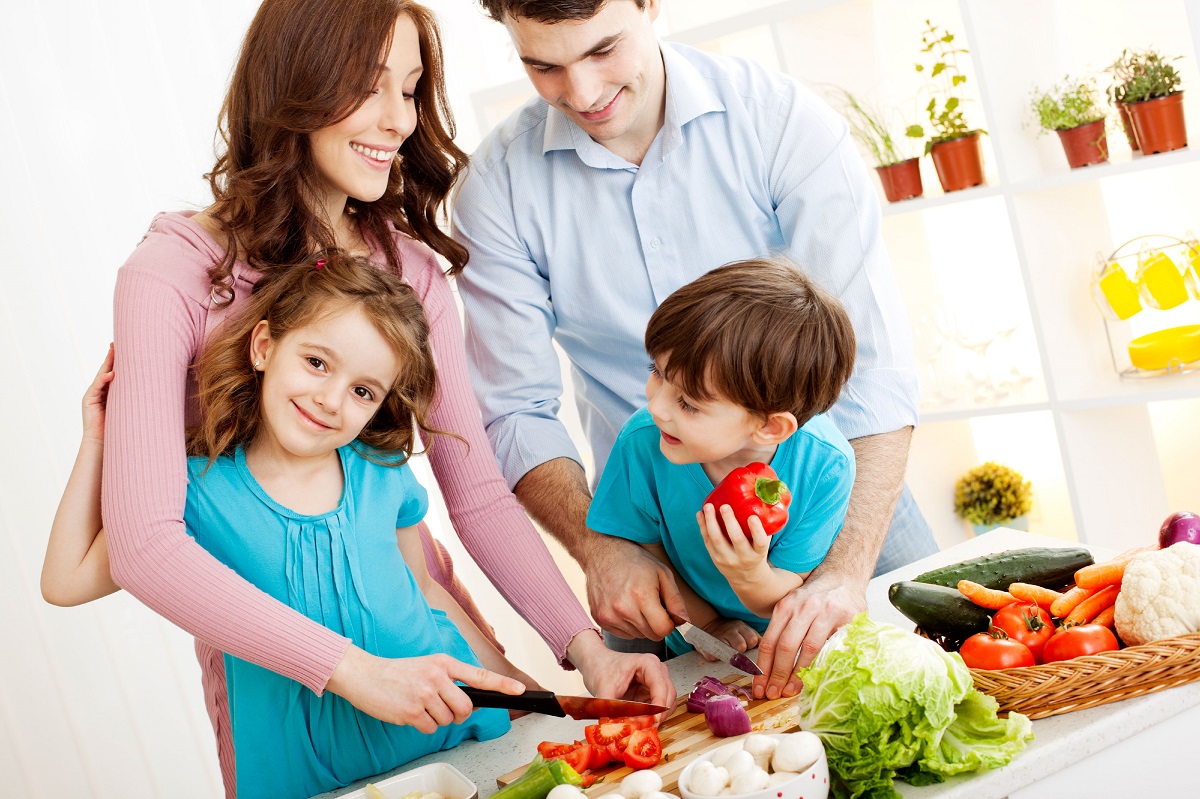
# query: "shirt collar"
[[689, 96]]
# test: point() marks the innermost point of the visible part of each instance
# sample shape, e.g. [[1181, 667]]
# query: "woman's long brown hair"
[[305, 65], [229, 385]]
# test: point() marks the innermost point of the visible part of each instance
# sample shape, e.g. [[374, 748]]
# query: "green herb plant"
[[872, 130], [1139, 75], [991, 493], [1066, 105], [946, 118]]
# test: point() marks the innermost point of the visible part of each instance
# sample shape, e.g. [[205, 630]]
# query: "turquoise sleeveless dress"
[[344, 570]]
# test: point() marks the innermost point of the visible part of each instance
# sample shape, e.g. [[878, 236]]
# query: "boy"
[[745, 360]]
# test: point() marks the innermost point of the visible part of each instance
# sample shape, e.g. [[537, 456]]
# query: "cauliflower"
[[1160, 595]]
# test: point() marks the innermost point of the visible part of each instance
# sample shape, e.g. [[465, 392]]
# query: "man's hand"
[[801, 624], [620, 675], [630, 593]]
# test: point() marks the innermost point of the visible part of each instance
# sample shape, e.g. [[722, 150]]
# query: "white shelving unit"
[[1108, 456]]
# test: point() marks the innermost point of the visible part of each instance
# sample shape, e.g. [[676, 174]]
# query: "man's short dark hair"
[[549, 11], [758, 333]]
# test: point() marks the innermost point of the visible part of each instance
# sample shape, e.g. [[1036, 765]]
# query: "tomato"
[[634, 722], [616, 749], [589, 779], [986, 651], [551, 750], [1027, 623], [598, 756], [577, 757], [644, 749], [1080, 640], [605, 733]]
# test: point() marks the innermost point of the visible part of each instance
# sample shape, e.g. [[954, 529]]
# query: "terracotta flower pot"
[[958, 163], [1159, 123], [1127, 124], [901, 180], [1085, 144]]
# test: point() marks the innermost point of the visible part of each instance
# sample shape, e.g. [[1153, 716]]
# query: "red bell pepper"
[[754, 490]]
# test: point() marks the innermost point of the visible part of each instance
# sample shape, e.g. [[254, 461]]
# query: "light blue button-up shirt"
[[570, 242]]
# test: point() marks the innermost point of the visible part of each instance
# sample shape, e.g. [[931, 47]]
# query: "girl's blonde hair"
[[229, 385]]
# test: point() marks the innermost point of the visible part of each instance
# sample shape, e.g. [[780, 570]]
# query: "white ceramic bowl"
[[441, 777], [811, 784]]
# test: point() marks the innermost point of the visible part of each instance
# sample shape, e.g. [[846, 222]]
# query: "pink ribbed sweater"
[[161, 309]]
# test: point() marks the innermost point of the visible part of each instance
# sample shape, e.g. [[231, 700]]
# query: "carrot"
[[1089, 608], [1106, 617], [1044, 597], [1067, 602], [1099, 575], [985, 597]]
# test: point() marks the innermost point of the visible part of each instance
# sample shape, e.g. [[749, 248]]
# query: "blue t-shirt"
[[344, 570], [644, 497]]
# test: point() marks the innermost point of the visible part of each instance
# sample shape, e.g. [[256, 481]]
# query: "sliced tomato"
[[577, 757], [644, 749], [634, 722], [590, 732], [589, 779], [551, 749], [616, 750], [598, 756], [605, 734]]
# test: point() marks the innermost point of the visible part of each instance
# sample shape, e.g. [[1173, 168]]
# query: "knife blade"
[[714, 647], [550, 704]]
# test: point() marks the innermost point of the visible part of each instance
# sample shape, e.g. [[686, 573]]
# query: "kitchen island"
[[1115, 750]]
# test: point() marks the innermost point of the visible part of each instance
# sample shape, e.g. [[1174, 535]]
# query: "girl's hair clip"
[[320, 263]]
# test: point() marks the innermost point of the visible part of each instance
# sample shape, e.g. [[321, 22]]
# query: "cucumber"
[[1049, 567], [938, 610]]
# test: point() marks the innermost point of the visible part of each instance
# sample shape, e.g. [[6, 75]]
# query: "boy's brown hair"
[[757, 333], [546, 11]]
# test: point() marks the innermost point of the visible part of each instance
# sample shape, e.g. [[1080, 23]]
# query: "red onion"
[[726, 717], [708, 687], [1181, 526]]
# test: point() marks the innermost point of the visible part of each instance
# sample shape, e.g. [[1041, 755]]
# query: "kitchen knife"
[[714, 647], [547, 703]]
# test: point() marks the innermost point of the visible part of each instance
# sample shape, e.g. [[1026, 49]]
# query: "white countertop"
[[1059, 741]]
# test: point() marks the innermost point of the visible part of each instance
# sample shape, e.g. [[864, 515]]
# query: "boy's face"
[[709, 432]]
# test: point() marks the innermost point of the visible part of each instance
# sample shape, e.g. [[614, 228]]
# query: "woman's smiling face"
[[354, 157]]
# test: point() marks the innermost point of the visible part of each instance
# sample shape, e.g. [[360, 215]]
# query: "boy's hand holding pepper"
[[737, 554]]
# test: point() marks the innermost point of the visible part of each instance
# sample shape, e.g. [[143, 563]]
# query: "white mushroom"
[[640, 783], [738, 763], [797, 752], [754, 779], [565, 791], [721, 756], [707, 779], [761, 747]]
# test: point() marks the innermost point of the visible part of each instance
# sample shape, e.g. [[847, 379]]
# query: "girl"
[[298, 483], [336, 136]]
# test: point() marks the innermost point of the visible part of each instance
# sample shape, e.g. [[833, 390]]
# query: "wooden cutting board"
[[685, 735]]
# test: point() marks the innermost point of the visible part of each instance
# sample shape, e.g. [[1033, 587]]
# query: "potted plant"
[[952, 143], [1147, 87], [991, 495], [1121, 72], [899, 171], [1071, 109]]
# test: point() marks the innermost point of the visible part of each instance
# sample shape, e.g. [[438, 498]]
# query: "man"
[[642, 166]]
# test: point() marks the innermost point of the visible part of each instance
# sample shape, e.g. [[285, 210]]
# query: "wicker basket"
[[1041, 691]]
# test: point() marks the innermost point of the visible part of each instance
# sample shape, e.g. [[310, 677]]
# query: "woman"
[[337, 135]]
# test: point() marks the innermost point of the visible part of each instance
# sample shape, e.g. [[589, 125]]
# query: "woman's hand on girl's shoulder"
[[419, 692]]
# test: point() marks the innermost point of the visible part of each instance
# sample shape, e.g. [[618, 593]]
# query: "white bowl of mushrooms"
[[760, 766]]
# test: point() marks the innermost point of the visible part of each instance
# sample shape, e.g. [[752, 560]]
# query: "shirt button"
[[655, 243]]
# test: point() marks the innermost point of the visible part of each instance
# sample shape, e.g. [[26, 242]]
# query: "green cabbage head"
[[890, 703]]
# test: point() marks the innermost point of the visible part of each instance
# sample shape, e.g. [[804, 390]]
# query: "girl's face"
[[354, 156], [321, 384]]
